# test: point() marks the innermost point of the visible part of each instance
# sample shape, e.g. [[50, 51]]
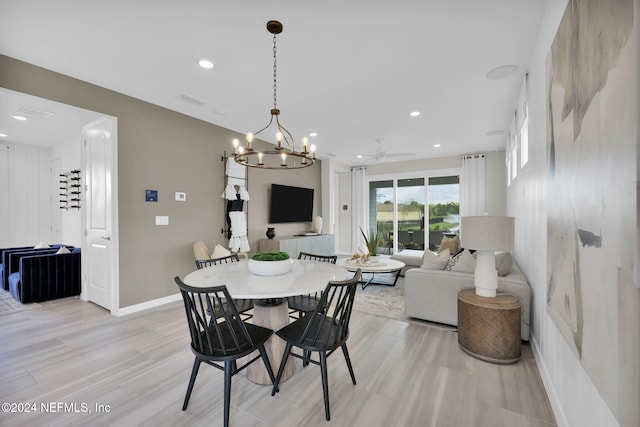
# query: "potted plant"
[[372, 241], [270, 263]]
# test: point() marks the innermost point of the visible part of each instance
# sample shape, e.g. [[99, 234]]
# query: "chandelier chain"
[[275, 69]]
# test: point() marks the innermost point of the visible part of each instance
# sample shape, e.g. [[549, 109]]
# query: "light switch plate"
[[180, 196], [162, 220]]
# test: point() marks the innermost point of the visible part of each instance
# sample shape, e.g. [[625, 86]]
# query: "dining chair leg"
[[306, 357], [285, 356], [192, 380], [228, 372], [267, 364], [348, 360], [325, 383]]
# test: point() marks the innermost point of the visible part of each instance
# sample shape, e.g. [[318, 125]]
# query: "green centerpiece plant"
[[270, 256]]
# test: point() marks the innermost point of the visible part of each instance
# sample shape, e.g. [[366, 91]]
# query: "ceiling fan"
[[381, 154]]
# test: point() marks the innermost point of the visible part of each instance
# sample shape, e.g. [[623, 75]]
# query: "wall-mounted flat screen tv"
[[290, 204]]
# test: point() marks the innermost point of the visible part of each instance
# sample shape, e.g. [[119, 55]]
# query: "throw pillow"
[[63, 250], [41, 245], [431, 261], [463, 262], [220, 252], [451, 243], [504, 260]]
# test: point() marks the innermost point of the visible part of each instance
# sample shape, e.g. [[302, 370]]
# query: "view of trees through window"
[[443, 213]]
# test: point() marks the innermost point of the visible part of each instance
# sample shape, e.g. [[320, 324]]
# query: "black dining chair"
[[220, 336], [243, 305], [323, 331], [300, 304]]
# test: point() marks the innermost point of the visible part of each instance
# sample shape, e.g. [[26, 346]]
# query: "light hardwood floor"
[[409, 374]]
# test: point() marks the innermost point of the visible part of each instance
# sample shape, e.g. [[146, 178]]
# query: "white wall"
[[575, 400], [69, 155], [25, 178]]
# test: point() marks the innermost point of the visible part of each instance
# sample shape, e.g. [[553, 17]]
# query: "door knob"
[[106, 237]]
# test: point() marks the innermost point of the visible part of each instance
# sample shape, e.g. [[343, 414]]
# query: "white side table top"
[[305, 277], [381, 265]]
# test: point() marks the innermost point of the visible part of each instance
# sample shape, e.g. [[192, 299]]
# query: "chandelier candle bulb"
[[313, 151], [235, 143], [284, 159], [249, 140], [260, 159]]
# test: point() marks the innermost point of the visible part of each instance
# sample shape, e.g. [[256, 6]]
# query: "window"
[[409, 215]]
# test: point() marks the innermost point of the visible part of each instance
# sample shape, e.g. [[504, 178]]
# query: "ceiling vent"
[[30, 111], [191, 100]]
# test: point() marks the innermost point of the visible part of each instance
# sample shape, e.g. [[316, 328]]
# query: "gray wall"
[[162, 150]]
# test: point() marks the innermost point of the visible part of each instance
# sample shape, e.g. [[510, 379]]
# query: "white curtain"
[[359, 205], [472, 186]]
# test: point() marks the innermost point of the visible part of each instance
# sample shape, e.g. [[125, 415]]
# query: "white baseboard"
[[558, 412], [147, 305]]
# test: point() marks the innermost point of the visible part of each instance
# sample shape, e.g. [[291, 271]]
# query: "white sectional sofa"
[[433, 294]]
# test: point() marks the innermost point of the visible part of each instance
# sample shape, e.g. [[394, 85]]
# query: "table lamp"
[[487, 234]]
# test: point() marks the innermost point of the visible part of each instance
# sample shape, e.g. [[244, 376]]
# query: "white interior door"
[[100, 246]]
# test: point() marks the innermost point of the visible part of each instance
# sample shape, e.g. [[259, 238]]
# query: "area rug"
[[9, 305], [388, 301], [382, 300]]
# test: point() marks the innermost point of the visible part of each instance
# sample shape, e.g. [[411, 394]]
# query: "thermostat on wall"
[[181, 197]]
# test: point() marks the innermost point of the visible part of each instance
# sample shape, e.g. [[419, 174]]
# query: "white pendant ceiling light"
[[283, 155]]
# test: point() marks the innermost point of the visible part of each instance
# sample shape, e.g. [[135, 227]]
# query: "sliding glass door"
[[444, 208], [407, 214]]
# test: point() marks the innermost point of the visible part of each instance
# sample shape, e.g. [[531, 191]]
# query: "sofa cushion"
[[463, 262], [451, 243], [431, 261], [504, 261], [63, 250], [41, 245], [14, 285]]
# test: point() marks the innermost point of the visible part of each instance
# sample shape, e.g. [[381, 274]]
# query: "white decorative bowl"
[[270, 268]]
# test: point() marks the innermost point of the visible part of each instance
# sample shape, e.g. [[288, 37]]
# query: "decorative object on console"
[[270, 263], [487, 234], [276, 158], [317, 224], [271, 233]]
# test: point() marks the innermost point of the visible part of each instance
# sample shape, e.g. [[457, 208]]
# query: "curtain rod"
[[473, 156]]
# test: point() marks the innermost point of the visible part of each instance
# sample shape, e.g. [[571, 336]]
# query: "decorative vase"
[[271, 233], [317, 224]]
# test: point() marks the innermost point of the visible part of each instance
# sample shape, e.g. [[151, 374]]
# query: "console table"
[[489, 328], [319, 244]]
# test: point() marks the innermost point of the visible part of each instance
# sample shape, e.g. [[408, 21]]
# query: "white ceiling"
[[351, 71]]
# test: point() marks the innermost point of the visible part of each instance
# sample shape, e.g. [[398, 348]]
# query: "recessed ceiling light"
[[3, 135], [313, 134], [502, 71], [17, 117], [414, 113], [359, 156], [436, 145], [205, 63]]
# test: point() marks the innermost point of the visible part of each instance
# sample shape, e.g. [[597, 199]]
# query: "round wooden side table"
[[489, 328]]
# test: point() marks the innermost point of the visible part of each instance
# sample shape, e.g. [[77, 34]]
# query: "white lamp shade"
[[487, 233]]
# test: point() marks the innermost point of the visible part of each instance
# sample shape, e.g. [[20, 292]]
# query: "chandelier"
[[284, 154]]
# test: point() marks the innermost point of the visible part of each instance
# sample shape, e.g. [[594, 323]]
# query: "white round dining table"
[[305, 277]]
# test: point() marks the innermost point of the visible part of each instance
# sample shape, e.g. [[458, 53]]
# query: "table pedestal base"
[[272, 317]]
